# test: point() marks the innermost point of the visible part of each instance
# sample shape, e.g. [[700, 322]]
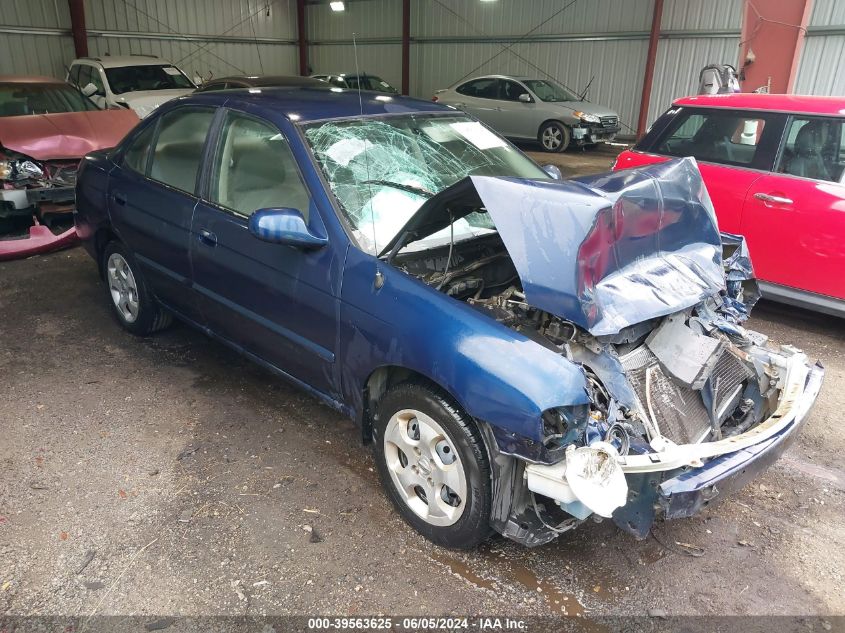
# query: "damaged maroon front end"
[[46, 127]]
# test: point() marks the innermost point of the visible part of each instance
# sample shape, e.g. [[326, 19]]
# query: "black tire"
[[473, 526], [554, 130], [149, 316]]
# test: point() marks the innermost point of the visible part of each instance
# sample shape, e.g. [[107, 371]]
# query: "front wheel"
[[433, 465], [554, 136]]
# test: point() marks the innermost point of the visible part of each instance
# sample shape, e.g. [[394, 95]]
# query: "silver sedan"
[[529, 108]]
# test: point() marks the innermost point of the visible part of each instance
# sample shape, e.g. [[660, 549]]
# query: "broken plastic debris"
[[596, 478]]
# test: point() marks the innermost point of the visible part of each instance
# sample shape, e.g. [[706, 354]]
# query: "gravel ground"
[[167, 476]]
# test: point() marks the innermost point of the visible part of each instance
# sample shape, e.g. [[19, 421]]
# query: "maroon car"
[[46, 127]]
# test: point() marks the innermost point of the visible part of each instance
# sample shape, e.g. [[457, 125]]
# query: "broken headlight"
[[564, 425], [587, 117], [21, 169]]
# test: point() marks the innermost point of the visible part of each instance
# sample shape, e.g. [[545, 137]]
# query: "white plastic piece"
[[596, 478], [589, 474]]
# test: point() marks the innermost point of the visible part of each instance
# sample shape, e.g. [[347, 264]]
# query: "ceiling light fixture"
[[338, 6]]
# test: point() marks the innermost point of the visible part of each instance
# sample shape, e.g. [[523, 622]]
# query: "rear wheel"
[[554, 136], [433, 465], [134, 306]]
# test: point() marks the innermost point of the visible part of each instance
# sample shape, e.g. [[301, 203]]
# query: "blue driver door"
[[272, 300]]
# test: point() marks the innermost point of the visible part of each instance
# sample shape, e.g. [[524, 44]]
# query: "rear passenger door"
[[270, 300], [152, 195], [479, 98]]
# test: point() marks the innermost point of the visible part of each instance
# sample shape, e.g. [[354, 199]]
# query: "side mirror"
[[525, 98], [553, 171], [89, 90], [284, 226]]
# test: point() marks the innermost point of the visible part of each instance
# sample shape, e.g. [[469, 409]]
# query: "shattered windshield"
[[383, 169]]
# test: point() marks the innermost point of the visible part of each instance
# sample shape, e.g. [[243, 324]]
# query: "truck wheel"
[[134, 306], [554, 136], [433, 465]]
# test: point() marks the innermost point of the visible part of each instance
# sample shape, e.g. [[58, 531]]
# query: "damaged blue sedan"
[[523, 353]]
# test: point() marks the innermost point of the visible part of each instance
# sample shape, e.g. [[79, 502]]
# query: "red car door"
[[794, 219]]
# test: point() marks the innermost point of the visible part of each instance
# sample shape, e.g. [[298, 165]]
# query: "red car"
[[774, 166], [46, 127]]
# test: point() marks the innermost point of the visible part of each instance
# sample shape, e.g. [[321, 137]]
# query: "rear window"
[[718, 136], [18, 99]]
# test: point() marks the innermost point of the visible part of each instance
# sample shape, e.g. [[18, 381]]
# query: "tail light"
[[435, 99]]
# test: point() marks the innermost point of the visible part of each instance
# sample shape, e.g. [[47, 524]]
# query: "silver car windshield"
[[547, 90], [383, 169]]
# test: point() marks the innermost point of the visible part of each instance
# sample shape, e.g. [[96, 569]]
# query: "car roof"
[[805, 104], [29, 79], [116, 61], [269, 80], [317, 103]]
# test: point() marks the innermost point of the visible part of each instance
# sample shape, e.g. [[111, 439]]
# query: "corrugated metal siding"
[[365, 18], [701, 15], [51, 14], [122, 27], [618, 66], [820, 72], [827, 13], [247, 18], [217, 58], [820, 69], [383, 60], [678, 64], [36, 53], [455, 18]]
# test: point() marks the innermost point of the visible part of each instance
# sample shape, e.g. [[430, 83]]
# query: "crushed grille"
[[679, 411]]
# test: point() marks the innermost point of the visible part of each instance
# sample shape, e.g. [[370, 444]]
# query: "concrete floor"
[[192, 482]]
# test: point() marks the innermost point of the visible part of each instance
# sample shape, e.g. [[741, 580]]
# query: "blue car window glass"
[[255, 169], [179, 146], [135, 156]]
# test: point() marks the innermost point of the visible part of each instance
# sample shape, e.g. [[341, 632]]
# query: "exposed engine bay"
[[666, 394]]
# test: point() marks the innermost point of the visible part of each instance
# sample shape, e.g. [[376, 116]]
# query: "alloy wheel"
[[123, 287]]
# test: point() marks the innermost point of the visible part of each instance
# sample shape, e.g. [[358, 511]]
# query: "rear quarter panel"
[[92, 184]]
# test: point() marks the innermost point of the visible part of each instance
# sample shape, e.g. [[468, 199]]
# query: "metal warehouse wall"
[[35, 37], [696, 33], [820, 70], [377, 26], [605, 39], [221, 37]]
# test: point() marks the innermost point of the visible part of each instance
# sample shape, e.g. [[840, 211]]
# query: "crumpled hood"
[[65, 134], [604, 252], [145, 101]]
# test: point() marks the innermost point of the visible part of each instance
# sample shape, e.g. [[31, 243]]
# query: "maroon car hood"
[[65, 135]]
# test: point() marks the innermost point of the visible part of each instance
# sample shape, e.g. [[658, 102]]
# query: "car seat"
[[808, 161]]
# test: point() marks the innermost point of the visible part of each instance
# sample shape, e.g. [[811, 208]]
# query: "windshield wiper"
[[398, 185]]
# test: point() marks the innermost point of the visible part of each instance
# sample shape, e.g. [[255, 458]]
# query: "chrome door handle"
[[765, 197]]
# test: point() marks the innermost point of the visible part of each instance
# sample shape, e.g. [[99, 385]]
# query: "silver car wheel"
[[123, 288], [552, 138], [425, 468]]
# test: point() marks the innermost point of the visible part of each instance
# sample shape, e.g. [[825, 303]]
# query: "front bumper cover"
[[23, 200]]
